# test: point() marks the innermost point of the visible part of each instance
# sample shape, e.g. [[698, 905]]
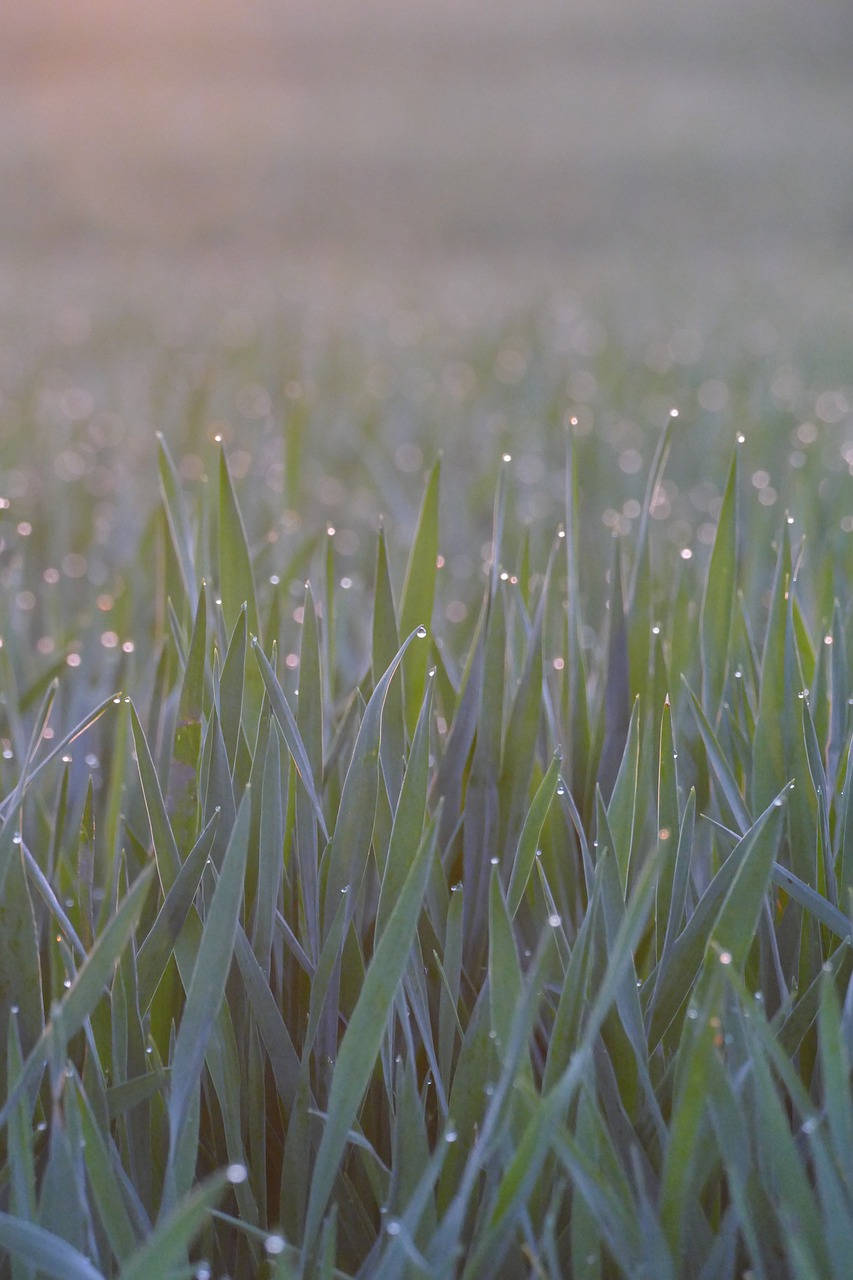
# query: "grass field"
[[486, 900], [426, 529]]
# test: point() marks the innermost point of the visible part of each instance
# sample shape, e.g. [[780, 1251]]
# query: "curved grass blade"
[[207, 986], [354, 824], [167, 1246], [734, 801], [53, 1256], [290, 732], [86, 989], [363, 1037], [58, 749], [156, 949], [282, 1055], [672, 984], [525, 853], [411, 808]]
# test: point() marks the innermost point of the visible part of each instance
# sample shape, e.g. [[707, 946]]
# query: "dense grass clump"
[[483, 912]]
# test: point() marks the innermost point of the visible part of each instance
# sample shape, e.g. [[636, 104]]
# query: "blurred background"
[[585, 141]]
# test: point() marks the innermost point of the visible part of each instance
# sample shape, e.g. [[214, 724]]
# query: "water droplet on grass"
[[275, 1244], [236, 1173], [554, 921], [393, 1227], [421, 633]]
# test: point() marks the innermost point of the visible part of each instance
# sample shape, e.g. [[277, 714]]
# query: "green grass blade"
[[207, 987], [718, 602], [282, 1055], [687, 1114], [416, 604], [290, 732], [525, 853], [166, 1248], [158, 944], [385, 643], [734, 928], [177, 518], [363, 1037], [86, 988], [409, 816], [357, 809], [622, 807], [236, 575], [734, 803], [53, 1256]]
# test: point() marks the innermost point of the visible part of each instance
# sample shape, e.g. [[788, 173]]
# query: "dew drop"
[[507, 457], [236, 1173], [554, 921], [693, 1014], [561, 789], [275, 1244], [725, 957], [494, 861], [393, 1227], [451, 1135], [17, 838], [421, 633]]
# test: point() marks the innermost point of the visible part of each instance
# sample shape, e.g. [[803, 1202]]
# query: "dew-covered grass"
[[425, 782]]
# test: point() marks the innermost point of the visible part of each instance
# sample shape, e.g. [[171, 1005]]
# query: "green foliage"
[[503, 930]]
